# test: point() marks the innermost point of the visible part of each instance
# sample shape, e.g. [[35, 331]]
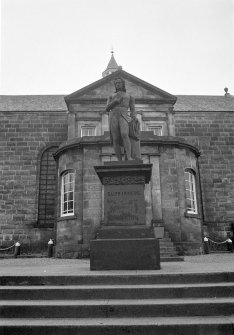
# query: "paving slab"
[[57, 267]]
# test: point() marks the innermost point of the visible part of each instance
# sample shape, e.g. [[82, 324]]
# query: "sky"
[[60, 46]]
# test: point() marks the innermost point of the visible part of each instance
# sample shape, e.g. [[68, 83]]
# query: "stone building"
[[49, 145]]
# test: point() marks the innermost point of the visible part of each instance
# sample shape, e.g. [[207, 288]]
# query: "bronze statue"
[[124, 128]]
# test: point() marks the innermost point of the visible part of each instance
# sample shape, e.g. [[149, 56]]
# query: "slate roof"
[[32, 103], [207, 103], [55, 103]]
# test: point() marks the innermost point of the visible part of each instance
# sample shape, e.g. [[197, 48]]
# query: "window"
[[157, 130], [88, 131], [190, 187], [67, 193], [47, 189]]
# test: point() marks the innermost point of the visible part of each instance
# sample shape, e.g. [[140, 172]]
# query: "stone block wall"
[[184, 228], [165, 197], [75, 232], [213, 134], [23, 137]]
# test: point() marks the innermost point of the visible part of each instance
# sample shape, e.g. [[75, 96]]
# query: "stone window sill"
[[191, 215], [69, 217]]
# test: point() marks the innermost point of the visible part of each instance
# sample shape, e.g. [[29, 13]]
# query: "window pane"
[[157, 130], [70, 196], [65, 208], [190, 188], [68, 187], [70, 206], [88, 131], [187, 185], [66, 178], [67, 196]]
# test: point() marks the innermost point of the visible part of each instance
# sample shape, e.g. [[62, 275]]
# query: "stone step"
[[168, 252], [120, 326], [163, 242], [164, 248], [166, 243], [167, 248], [81, 292], [116, 308], [166, 239], [120, 278], [173, 258]]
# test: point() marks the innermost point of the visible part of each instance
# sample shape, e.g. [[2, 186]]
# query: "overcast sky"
[[60, 46]]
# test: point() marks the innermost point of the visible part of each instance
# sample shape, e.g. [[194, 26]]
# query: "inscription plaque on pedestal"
[[124, 205]]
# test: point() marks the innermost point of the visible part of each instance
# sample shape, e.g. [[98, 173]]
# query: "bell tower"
[[112, 66]]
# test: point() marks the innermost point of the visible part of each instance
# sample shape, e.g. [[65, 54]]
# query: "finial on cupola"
[[226, 91]]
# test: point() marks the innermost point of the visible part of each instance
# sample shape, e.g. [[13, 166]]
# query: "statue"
[[124, 128]]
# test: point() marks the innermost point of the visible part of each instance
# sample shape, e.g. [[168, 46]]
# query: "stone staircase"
[[118, 303], [168, 251]]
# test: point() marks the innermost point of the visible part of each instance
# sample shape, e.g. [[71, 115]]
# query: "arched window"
[[191, 196], [67, 193], [47, 188]]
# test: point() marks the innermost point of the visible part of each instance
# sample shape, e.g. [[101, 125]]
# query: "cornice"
[[102, 101], [146, 140]]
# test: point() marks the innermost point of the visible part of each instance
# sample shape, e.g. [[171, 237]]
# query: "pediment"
[[104, 87]]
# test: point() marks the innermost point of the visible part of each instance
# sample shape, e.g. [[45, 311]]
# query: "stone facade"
[[212, 132], [24, 137], [164, 195], [200, 140]]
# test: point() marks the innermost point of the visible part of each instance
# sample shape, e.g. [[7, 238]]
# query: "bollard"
[[206, 245], [229, 245], [17, 249], [50, 248]]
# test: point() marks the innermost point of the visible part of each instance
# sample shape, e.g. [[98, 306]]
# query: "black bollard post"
[[229, 245], [17, 249], [50, 248], [206, 246]]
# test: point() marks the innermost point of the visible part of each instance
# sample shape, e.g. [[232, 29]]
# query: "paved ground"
[[52, 267]]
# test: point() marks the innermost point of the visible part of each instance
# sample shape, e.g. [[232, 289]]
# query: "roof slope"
[[190, 103], [112, 63], [207, 103], [32, 103], [137, 82]]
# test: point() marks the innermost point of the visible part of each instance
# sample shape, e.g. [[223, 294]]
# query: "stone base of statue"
[[124, 242]]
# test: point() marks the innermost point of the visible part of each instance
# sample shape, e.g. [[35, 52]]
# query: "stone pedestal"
[[124, 242]]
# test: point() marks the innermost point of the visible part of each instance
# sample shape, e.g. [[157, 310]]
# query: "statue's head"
[[119, 84]]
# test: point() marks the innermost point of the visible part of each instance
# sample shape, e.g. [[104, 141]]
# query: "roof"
[[112, 66], [112, 63], [184, 103], [32, 103], [205, 103], [157, 92]]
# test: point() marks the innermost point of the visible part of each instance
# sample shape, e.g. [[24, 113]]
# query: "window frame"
[[192, 190], [154, 127], [66, 213], [88, 127]]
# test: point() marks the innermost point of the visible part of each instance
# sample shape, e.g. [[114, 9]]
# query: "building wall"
[[213, 134], [23, 137], [75, 232], [170, 159]]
